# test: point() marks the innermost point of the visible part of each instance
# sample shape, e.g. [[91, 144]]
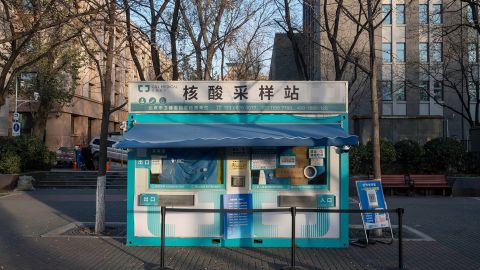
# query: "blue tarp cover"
[[157, 135]]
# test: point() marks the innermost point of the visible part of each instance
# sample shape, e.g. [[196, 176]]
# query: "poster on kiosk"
[[237, 145]]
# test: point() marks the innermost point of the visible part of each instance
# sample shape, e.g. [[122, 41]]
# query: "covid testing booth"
[[237, 145]]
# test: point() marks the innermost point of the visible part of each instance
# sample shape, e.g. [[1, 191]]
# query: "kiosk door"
[[237, 170]]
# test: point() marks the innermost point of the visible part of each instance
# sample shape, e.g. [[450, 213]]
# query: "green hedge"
[[10, 163], [409, 156], [443, 155], [24, 153], [440, 155]]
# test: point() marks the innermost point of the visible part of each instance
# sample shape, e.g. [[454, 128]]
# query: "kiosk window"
[[290, 166], [188, 167], [238, 181]]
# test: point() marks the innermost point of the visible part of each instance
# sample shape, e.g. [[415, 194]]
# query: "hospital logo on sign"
[[144, 88]]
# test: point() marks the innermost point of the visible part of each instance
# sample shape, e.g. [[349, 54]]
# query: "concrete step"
[[79, 179]]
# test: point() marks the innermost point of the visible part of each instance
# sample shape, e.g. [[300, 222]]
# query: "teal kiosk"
[[237, 145]]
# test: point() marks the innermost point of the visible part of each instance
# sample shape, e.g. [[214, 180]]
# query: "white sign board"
[[238, 97], [316, 153], [16, 116]]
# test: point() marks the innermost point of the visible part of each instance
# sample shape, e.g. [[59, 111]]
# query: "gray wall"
[[4, 119], [420, 129]]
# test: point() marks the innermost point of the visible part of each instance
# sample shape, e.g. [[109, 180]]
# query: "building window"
[[437, 14], [387, 14], [401, 51], [423, 51], [437, 51], [472, 52], [386, 90], [423, 14], [400, 14], [400, 94], [469, 14], [424, 91], [472, 91], [438, 90], [387, 52]]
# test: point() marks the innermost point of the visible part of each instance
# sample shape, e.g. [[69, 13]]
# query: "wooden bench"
[[430, 182], [393, 181]]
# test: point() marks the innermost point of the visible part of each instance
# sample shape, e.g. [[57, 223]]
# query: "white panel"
[[399, 34], [334, 229], [436, 109], [387, 72], [386, 34], [387, 108], [399, 72], [472, 109], [400, 109], [424, 109], [141, 215], [423, 33]]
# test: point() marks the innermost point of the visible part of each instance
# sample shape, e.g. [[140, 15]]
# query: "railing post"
[[400, 237], [293, 211], [163, 212]]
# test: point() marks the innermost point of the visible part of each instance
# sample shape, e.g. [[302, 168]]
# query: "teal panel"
[[260, 242], [344, 183], [147, 199], [326, 200], [234, 107], [130, 197], [319, 229], [232, 118], [259, 229], [215, 229], [187, 186], [154, 222]]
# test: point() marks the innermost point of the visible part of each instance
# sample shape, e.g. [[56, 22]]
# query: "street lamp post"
[[16, 93], [24, 77]]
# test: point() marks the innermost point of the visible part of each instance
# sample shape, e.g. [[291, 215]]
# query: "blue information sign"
[[237, 225], [370, 195]]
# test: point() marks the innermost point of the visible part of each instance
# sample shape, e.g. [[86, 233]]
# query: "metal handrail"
[[293, 211]]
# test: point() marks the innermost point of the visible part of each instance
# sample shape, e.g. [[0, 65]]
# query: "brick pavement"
[[452, 222]]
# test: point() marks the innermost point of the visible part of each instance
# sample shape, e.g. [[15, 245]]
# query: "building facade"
[[77, 122], [427, 65]]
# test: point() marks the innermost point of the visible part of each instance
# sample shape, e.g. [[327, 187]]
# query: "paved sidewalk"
[[452, 222]]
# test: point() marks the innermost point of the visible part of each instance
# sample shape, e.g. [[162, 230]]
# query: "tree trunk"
[[3, 100], [39, 126], [131, 44], [198, 60], [209, 63], [106, 95], [377, 172], [173, 40]]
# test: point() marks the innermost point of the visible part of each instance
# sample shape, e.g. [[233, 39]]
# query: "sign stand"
[[365, 230], [370, 194]]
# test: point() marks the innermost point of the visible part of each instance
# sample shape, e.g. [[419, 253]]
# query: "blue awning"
[[156, 135]]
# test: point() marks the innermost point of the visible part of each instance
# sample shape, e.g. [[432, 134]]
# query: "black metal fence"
[[293, 211]]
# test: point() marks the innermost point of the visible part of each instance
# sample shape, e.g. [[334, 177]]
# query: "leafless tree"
[[210, 23], [368, 16], [22, 21], [246, 49], [101, 45], [453, 66]]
